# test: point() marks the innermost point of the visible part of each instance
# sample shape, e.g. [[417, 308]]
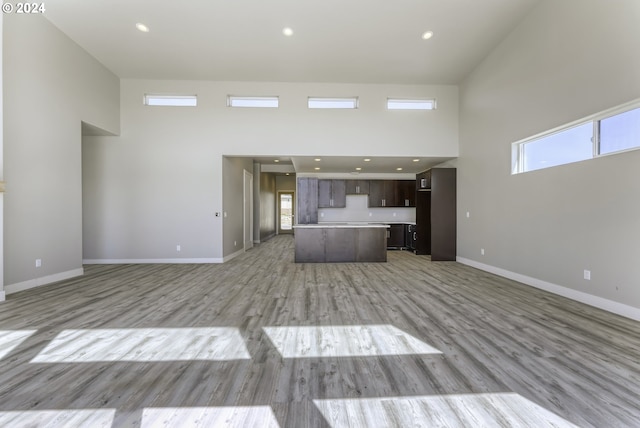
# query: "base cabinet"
[[334, 245]]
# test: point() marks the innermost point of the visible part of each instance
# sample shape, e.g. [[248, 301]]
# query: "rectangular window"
[[340, 103], [620, 132], [257, 102], [570, 145], [401, 104], [171, 100], [608, 132]]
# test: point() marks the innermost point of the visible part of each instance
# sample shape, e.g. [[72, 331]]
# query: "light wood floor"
[[262, 341]]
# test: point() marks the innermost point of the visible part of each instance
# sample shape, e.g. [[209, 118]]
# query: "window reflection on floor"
[[94, 418], [345, 341], [11, 339], [206, 417], [145, 344], [465, 410]]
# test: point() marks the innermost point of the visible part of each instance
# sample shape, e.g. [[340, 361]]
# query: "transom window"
[[605, 133], [171, 100]]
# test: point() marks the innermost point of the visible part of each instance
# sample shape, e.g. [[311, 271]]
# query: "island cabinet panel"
[[332, 194], [319, 244], [340, 245], [310, 246], [307, 201], [369, 247], [357, 187]]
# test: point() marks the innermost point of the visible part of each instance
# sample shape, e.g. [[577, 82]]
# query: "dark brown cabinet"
[[332, 194], [396, 236], [357, 187], [405, 193], [392, 193], [436, 215], [307, 201]]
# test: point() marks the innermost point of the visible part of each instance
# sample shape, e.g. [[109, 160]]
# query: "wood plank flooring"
[[190, 345]]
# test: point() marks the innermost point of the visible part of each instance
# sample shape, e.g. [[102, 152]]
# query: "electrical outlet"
[[38, 263], [468, 214], [482, 251], [587, 275], [178, 248]]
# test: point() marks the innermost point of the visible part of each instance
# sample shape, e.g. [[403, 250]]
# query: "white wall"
[[50, 86], [2, 293], [161, 181], [566, 60]]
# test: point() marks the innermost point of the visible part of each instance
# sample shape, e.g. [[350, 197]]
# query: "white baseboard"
[[2, 296], [232, 256], [588, 299], [149, 261], [37, 282]]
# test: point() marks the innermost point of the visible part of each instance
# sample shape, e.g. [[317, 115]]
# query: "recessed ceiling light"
[[287, 173], [398, 169], [427, 35], [367, 160], [140, 26], [317, 159], [276, 160], [287, 31], [317, 168], [416, 160], [358, 169]]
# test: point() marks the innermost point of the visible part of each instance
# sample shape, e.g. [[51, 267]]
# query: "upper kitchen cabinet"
[[392, 193], [381, 193], [406, 193], [307, 198], [332, 194], [357, 187]]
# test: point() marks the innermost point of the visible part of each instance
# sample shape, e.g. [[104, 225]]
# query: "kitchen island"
[[340, 242]]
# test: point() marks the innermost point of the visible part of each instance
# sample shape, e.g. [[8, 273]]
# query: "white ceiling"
[[348, 164], [347, 41], [337, 41]]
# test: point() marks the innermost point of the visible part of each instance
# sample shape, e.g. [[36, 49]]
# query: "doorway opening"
[[285, 212]]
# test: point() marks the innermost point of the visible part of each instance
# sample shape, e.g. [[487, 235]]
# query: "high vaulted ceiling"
[[361, 41]]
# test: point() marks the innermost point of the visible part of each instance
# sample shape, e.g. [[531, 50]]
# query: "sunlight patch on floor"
[[10, 339], [222, 417], [345, 341], [145, 344], [464, 410], [94, 418]]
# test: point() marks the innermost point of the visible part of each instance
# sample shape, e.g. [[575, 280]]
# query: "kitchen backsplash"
[[357, 210]]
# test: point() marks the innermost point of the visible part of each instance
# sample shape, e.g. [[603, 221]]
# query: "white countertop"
[[341, 225]]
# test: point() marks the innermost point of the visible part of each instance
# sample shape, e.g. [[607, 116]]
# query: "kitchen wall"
[[172, 157], [357, 210], [233, 169], [566, 60], [50, 87], [268, 191]]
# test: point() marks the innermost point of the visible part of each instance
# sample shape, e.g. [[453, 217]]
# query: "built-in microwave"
[[424, 180]]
